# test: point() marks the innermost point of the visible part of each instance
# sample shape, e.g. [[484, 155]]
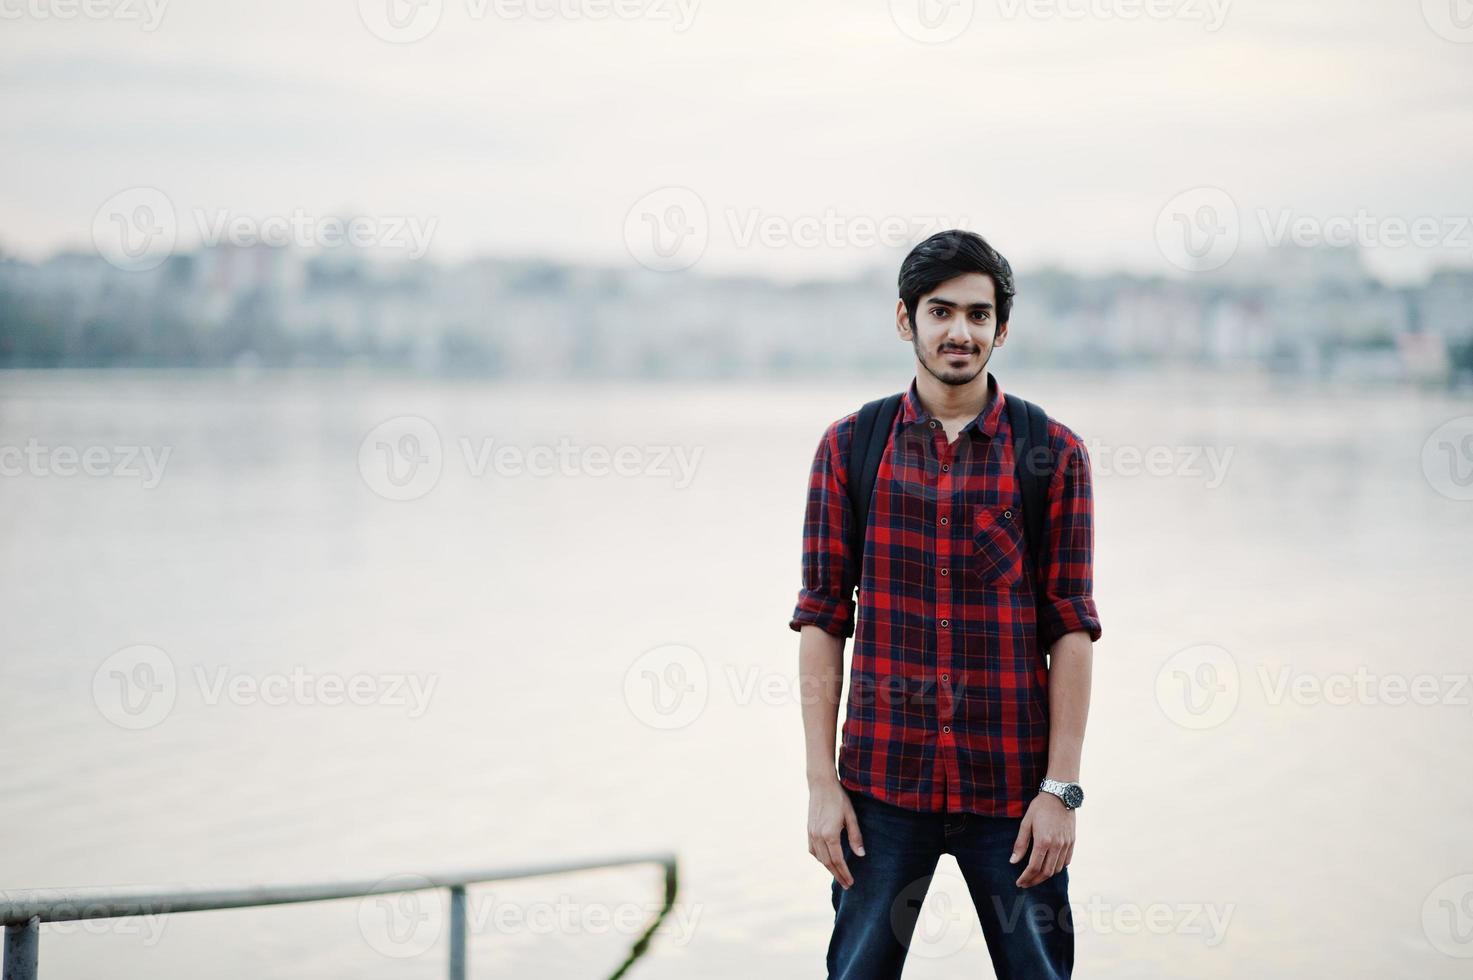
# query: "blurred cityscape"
[[1312, 311]]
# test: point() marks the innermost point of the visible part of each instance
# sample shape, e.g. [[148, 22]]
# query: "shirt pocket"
[[997, 543]]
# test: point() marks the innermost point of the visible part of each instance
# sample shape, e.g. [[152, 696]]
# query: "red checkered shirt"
[[948, 689]]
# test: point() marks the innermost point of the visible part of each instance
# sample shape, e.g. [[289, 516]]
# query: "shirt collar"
[[986, 422]]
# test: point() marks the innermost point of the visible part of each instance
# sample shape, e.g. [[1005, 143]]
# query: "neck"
[[953, 403]]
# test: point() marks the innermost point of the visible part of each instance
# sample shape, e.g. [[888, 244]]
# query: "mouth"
[[951, 352]]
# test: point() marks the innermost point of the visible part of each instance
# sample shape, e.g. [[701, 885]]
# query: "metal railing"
[[22, 912]]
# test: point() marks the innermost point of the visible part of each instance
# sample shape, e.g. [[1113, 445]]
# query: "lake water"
[[550, 660]]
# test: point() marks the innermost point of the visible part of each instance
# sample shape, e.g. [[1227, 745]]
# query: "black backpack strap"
[[1033, 462], [871, 434]]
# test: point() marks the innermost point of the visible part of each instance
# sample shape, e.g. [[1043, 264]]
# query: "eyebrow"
[[939, 301]]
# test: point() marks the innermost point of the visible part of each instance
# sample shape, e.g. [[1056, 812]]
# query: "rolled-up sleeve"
[[1068, 604], [825, 600]]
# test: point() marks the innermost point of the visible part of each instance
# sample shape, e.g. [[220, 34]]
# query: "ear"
[[902, 320], [1001, 334]]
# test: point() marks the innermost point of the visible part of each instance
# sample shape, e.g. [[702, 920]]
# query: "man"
[[959, 736]]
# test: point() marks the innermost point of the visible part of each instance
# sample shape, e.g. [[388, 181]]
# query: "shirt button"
[[945, 623], [1007, 514], [944, 521], [945, 467], [944, 676], [946, 729], [943, 571], [933, 425]]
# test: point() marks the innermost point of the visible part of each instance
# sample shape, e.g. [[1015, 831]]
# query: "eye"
[[980, 316], [940, 312]]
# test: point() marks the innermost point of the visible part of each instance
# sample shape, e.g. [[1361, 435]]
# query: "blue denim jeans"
[[1029, 931]]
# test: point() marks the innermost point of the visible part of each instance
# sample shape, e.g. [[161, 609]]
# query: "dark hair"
[[948, 254]]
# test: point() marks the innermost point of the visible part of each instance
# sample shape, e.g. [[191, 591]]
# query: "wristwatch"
[[1071, 793]]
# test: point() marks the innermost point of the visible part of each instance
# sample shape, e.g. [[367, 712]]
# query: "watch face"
[[1073, 795]]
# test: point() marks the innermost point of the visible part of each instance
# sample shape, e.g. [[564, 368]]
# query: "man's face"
[[956, 328]]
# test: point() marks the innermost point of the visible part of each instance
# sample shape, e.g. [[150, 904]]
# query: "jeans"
[[1029, 931]]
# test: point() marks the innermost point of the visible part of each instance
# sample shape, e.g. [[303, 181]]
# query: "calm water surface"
[[604, 665]]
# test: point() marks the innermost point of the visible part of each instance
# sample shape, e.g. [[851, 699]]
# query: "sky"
[[789, 139]]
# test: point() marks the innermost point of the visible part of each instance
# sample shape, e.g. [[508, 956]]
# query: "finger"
[[838, 866], [1033, 874], [851, 824], [1020, 845]]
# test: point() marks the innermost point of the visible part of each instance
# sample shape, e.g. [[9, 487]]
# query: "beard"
[[938, 368]]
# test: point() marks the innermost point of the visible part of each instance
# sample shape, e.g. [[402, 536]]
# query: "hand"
[[829, 811], [1050, 824]]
